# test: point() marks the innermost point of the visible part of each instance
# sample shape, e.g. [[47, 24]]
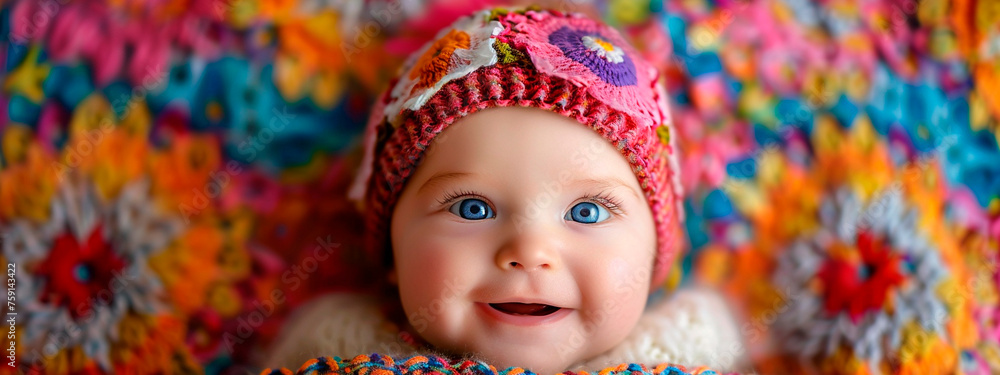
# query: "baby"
[[521, 188]]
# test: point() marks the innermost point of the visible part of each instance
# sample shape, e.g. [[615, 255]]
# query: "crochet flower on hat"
[[572, 47], [589, 54], [455, 52]]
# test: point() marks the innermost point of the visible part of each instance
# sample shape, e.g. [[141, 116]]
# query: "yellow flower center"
[[605, 45]]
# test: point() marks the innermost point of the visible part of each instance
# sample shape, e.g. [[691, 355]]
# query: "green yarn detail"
[[664, 133], [496, 13], [509, 55]]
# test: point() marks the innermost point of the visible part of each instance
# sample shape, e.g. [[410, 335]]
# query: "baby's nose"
[[528, 253]]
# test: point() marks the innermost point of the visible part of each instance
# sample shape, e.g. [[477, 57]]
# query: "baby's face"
[[523, 238]]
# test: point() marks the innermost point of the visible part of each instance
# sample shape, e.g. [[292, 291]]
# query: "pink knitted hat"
[[566, 63]]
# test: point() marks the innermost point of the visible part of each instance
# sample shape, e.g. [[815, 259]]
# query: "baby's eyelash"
[[607, 200]]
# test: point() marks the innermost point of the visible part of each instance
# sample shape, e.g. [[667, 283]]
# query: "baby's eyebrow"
[[608, 182], [440, 178]]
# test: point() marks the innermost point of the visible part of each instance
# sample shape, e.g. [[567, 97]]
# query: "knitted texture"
[[566, 64], [376, 364]]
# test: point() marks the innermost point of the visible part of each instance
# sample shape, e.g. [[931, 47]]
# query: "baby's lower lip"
[[535, 316]]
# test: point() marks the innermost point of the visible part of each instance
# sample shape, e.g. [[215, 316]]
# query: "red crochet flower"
[[76, 273], [858, 287], [204, 334]]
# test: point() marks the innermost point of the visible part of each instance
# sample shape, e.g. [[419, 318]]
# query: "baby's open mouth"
[[517, 308]]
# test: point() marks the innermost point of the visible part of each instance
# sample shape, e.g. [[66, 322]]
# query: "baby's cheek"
[[614, 295], [431, 274], [629, 287], [628, 277], [422, 269], [436, 255], [419, 247]]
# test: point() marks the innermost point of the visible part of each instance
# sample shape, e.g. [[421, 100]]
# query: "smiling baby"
[[521, 189]]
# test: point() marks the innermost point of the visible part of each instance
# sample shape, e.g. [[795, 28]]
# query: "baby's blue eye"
[[587, 213], [472, 209]]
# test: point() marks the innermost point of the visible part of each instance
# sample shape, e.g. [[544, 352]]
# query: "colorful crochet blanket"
[[172, 172], [422, 365]]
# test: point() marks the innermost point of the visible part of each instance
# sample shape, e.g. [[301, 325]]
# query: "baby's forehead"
[[532, 138], [524, 126]]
